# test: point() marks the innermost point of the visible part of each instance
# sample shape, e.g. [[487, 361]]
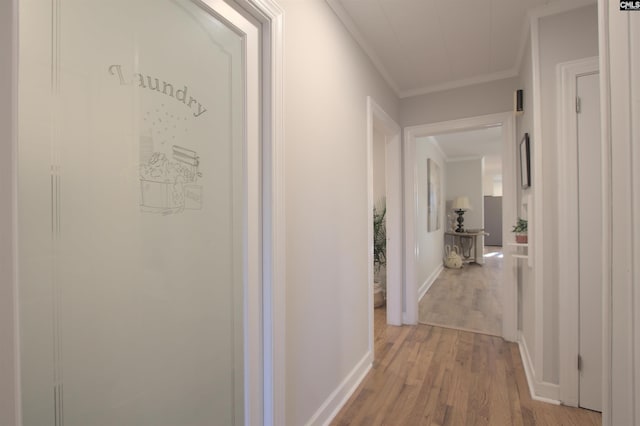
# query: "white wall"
[[492, 183], [487, 184], [327, 80], [7, 339], [563, 37], [430, 244], [470, 101], [464, 178]]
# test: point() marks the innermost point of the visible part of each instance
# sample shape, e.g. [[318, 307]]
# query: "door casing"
[[509, 211], [568, 237]]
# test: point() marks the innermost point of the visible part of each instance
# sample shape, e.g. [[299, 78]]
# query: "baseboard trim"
[[539, 390], [429, 282], [339, 397]]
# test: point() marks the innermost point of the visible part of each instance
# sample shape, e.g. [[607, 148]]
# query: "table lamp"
[[460, 205]]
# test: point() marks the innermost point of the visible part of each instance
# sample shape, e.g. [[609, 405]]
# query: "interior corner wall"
[[464, 178], [429, 244], [563, 37], [526, 277], [328, 78], [8, 415], [469, 101]]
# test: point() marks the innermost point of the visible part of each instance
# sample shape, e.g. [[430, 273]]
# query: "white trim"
[[346, 20], [605, 102], [339, 397], [507, 120], [634, 34], [619, 60], [429, 282], [369, 218], [536, 218], [410, 313], [256, 371], [436, 144], [540, 391], [9, 329], [484, 78], [271, 15], [254, 367], [393, 155], [555, 8], [568, 232]]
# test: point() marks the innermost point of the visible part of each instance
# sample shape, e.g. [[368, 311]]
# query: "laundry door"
[[139, 214]]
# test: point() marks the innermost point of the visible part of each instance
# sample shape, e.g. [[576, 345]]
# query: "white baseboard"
[[427, 284], [539, 390], [330, 408]]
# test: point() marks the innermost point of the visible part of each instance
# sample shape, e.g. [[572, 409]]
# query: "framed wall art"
[[525, 161]]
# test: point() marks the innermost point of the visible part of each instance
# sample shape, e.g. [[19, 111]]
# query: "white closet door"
[[590, 245]]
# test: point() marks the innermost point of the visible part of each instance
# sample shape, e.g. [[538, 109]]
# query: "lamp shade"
[[461, 203]]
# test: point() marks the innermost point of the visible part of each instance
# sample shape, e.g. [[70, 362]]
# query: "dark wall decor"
[[525, 161]]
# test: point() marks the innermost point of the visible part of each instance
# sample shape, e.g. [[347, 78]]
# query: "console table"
[[467, 242]]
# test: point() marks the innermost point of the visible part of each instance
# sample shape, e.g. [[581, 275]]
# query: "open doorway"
[[468, 297], [385, 197], [504, 125]]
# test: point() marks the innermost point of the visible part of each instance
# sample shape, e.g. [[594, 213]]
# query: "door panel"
[[133, 203], [590, 244]]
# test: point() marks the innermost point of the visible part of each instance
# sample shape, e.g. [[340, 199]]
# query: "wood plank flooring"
[[426, 375], [467, 298]]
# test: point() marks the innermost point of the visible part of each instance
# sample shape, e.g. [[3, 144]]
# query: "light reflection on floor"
[[496, 254]]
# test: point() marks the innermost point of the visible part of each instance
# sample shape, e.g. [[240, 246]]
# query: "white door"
[[590, 242], [139, 214]]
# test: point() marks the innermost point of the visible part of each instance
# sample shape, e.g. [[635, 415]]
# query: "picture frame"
[[434, 196], [525, 162]]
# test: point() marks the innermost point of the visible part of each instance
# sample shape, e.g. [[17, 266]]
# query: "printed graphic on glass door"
[[169, 172], [132, 202]]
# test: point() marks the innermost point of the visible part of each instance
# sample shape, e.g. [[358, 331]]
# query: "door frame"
[[393, 191], [509, 208], [568, 235], [272, 361]]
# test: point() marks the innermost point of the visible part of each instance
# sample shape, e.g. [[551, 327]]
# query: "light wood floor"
[[425, 375], [467, 298]]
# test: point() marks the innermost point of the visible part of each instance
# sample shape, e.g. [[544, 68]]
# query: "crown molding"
[[485, 78], [535, 13], [346, 20], [438, 148], [558, 7]]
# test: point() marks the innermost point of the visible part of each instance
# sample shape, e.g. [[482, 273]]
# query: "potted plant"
[[520, 229], [379, 251]]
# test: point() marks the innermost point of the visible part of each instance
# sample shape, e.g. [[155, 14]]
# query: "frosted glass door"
[[133, 214]]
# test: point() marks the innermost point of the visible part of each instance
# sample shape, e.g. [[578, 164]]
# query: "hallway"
[[425, 375], [467, 299]]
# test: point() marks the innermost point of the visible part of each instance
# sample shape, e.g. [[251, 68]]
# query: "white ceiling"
[[485, 142], [421, 46], [471, 143]]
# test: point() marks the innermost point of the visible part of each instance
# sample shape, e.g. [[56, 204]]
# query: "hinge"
[[578, 105], [579, 363]]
